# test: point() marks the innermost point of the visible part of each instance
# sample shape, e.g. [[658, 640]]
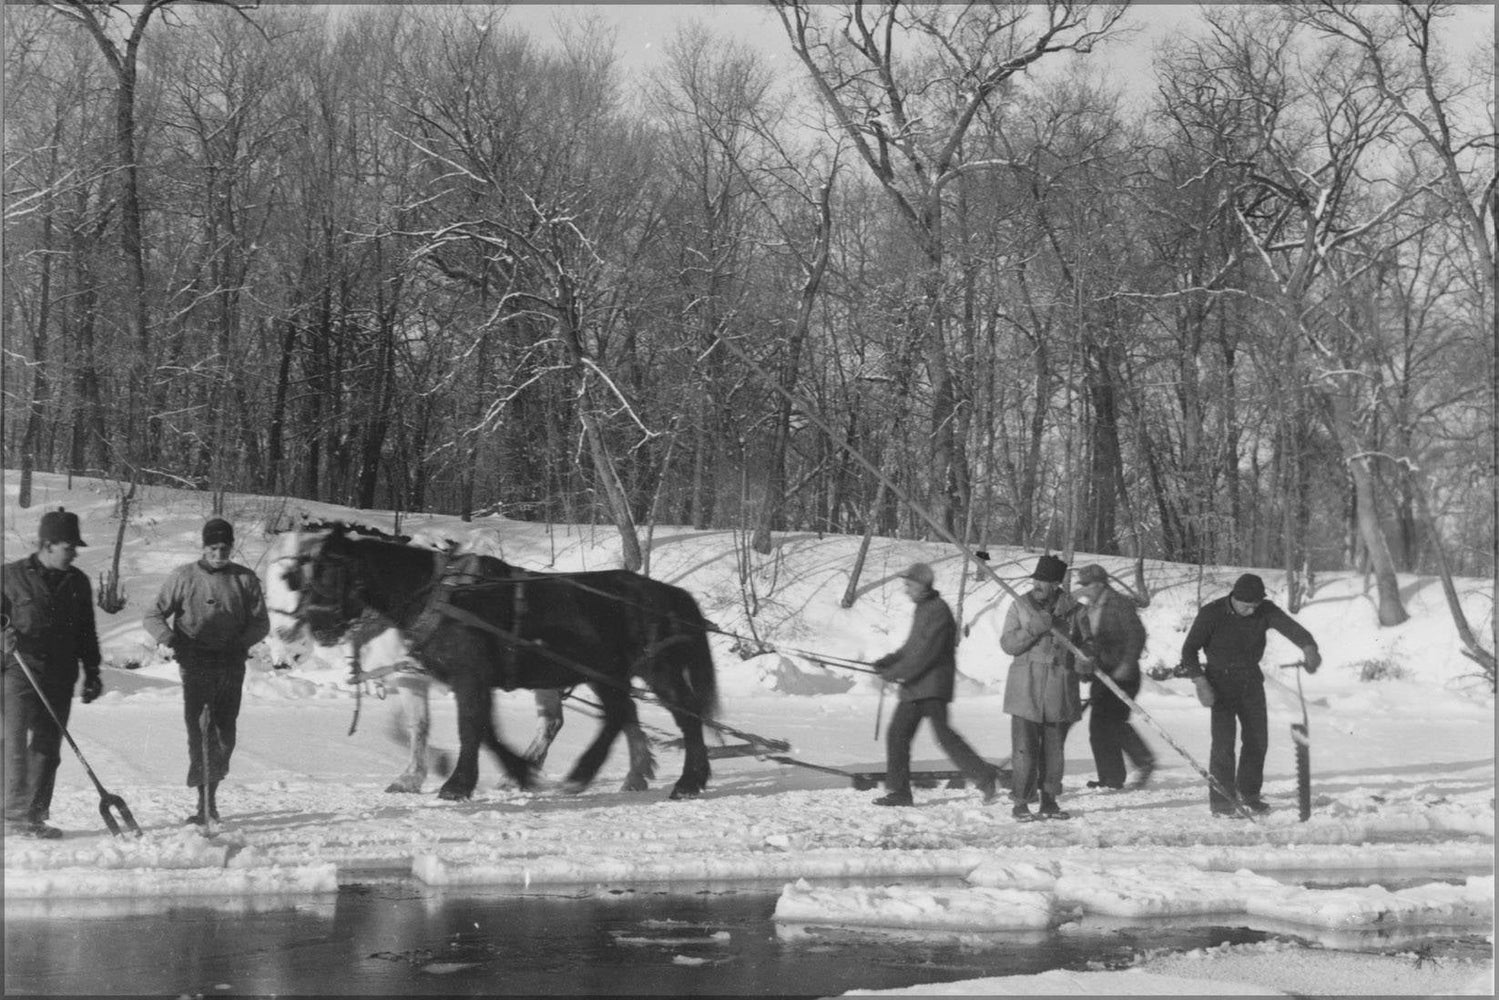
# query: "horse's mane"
[[351, 528]]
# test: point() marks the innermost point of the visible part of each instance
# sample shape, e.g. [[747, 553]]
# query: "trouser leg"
[[958, 750], [902, 729], [1256, 741], [1053, 748], [1107, 720], [21, 706], [1025, 757], [1221, 756]]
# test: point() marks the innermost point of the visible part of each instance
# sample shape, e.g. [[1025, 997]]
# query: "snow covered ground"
[[1403, 770]]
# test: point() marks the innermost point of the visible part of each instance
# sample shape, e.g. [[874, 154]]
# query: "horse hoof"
[[404, 787], [685, 793], [572, 787], [635, 783], [453, 795]]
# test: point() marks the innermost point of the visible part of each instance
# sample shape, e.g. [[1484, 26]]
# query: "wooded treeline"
[[411, 258]]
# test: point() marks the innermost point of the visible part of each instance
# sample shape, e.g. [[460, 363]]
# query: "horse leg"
[[548, 725], [475, 727], [414, 715], [619, 710], [642, 760], [695, 768]]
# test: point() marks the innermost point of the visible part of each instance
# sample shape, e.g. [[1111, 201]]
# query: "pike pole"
[[941, 530]]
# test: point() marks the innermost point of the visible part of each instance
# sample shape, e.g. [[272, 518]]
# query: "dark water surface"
[[390, 935]]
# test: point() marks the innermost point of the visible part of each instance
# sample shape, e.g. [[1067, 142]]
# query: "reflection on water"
[[389, 936]]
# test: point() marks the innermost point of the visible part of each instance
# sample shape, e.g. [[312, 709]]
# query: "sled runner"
[[924, 774]]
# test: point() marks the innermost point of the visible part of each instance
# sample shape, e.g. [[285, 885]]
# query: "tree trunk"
[[1391, 609]]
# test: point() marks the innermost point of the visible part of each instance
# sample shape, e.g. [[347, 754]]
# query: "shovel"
[[109, 804]]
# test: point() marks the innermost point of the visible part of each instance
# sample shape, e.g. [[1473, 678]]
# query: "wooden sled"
[[924, 774]]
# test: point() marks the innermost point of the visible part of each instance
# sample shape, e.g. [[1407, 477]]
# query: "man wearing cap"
[[925, 667], [209, 613], [48, 610], [1231, 631], [1115, 637], [1041, 692]]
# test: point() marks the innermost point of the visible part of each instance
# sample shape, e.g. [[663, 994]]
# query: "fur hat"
[[218, 532], [1249, 588], [1049, 569], [919, 572], [59, 526], [1092, 573]]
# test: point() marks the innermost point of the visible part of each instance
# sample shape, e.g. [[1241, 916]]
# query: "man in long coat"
[[1041, 693], [1115, 636], [925, 667]]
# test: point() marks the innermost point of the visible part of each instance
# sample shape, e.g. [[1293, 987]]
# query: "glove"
[[1204, 691], [164, 650], [1312, 657], [93, 687], [7, 640]]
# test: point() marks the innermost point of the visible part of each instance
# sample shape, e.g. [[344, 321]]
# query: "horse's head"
[[286, 575]]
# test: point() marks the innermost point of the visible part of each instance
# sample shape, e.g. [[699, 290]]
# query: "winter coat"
[[1234, 643], [52, 612], [926, 663], [1114, 635], [1042, 685], [219, 613]]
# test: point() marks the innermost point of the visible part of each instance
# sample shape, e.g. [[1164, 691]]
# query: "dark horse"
[[477, 623]]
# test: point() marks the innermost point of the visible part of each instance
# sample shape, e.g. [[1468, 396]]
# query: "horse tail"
[[689, 661]]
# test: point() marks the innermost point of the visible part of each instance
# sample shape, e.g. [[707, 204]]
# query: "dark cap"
[[1092, 573], [1049, 569], [59, 526], [1249, 588], [218, 532], [919, 572]]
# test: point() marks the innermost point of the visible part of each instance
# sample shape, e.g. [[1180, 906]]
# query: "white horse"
[[386, 657]]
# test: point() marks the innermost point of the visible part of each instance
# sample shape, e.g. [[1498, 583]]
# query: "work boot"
[[1142, 776], [1256, 805], [1022, 813], [1049, 808], [989, 789], [213, 801], [895, 799], [1105, 785], [31, 828], [201, 816]]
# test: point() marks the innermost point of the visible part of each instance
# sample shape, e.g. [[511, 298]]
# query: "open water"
[[390, 935]]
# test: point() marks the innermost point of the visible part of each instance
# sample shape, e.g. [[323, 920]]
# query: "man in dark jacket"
[[1041, 690], [925, 666], [49, 620], [209, 613], [1115, 637], [1231, 631]]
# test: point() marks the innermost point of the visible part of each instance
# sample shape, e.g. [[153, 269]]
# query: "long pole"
[[810, 412]]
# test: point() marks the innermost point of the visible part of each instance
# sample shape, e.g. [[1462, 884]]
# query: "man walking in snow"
[[925, 667], [1231, 631], [209, 613], [1041, 692], [48, 611], [1115, 637]]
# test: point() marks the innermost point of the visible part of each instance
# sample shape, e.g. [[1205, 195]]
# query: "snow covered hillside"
[[1402, 756]]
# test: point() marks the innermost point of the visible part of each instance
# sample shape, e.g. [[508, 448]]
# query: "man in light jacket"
[[209, 613], [1115, 637], [925, 667], [1041, 693]]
